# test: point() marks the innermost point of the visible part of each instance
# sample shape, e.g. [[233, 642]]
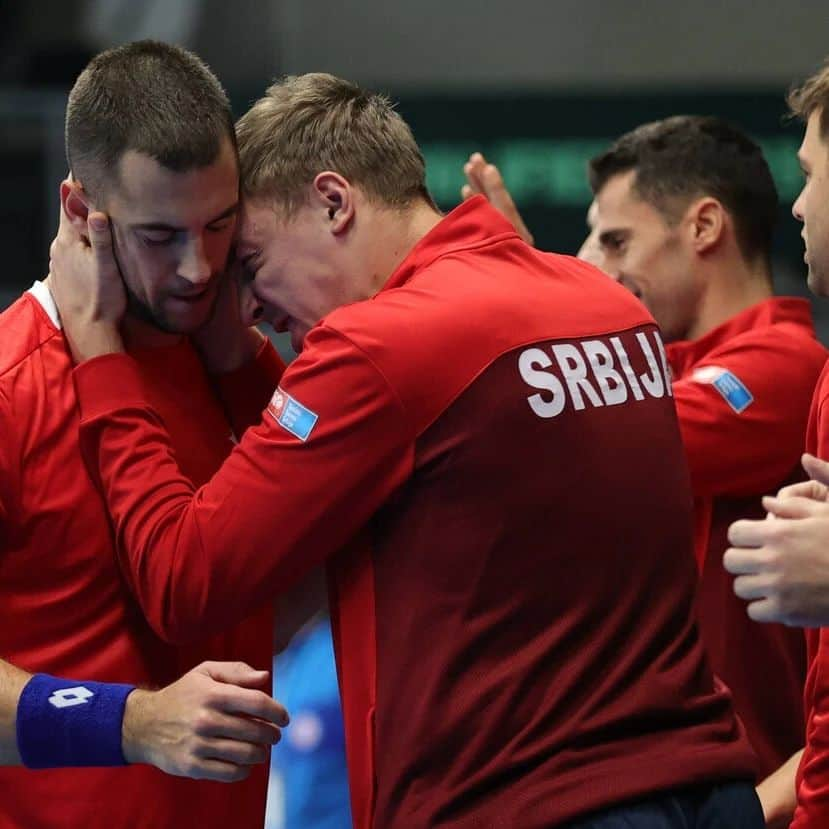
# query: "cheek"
[[147, 270], [217, 248]]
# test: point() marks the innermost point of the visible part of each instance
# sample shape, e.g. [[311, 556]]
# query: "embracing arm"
[[334, 446], [242, 363]]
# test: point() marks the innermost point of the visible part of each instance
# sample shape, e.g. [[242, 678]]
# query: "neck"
[[139, 334], [136, 332], [397, 233], [730, 290]]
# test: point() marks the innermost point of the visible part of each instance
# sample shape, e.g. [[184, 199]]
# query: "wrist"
[[62, 724], [94, 340], [132, 728]]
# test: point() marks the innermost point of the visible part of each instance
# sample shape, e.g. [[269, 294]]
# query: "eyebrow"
[[163, 226]]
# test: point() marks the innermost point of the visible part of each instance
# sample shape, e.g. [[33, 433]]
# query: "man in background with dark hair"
[[150, 139], [683, 215]]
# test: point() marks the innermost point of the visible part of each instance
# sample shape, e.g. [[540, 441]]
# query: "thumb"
[[236, 673], [804, 489], [816, 469], [100, 237]]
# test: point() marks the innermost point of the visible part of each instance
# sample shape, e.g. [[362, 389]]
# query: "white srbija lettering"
[[593, 373]]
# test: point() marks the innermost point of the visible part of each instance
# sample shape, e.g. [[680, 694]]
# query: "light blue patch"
[[296, 418], [735, 393]]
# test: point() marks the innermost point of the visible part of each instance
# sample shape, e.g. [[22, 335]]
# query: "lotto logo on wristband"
[[67, 697]]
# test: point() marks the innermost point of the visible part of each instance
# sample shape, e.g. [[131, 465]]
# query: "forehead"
[[814, 145], [617, 203], [148, 191], [257, 225]]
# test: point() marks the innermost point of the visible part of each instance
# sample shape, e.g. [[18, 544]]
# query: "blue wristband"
[[62, 723]]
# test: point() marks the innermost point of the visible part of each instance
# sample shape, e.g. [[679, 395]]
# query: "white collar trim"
[[40, 291]]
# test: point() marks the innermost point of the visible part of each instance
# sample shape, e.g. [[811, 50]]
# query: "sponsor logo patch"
[[291, 415], [732, 389]]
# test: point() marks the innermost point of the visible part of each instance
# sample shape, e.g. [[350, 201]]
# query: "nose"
[[250, 309], [591, 252], [797, 207], [194, 265], [607, 265]]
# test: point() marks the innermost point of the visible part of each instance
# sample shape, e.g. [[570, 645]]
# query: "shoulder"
[[783, 353], [24, 330]]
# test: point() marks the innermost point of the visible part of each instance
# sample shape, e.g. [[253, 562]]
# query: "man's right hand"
[[229, 339], [485, 179], [212, 724], [86, 285]]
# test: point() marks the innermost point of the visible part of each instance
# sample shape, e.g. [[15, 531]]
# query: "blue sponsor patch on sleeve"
[[291, 415], [734, 391]]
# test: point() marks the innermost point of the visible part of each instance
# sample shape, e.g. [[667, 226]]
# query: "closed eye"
[[157, 237], [612, 242], [222, 224]]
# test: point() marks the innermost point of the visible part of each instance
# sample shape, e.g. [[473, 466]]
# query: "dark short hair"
[[811, 95], [150, 97], [687, 156]]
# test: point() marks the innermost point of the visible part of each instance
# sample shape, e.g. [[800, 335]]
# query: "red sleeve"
[[741, 453], [244, 393], [813, 772], [5, 467], [201, 559]]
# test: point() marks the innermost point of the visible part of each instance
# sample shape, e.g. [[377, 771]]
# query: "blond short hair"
[[306, 124], [810, 96]]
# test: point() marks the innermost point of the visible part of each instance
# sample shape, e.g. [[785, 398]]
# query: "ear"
[[75, 204], [335, 196], [708, 223]]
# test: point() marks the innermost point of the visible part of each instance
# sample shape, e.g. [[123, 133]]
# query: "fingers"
[[243, 729], [235, 673], [236, 694], [754, 586], [235, 700], [742, 561], [236, 752], [765, 610], [816, 469], [473, 170], [804, 489], [794, 506], [748, 533], [100, 237], [218, 770], [493, 183]]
